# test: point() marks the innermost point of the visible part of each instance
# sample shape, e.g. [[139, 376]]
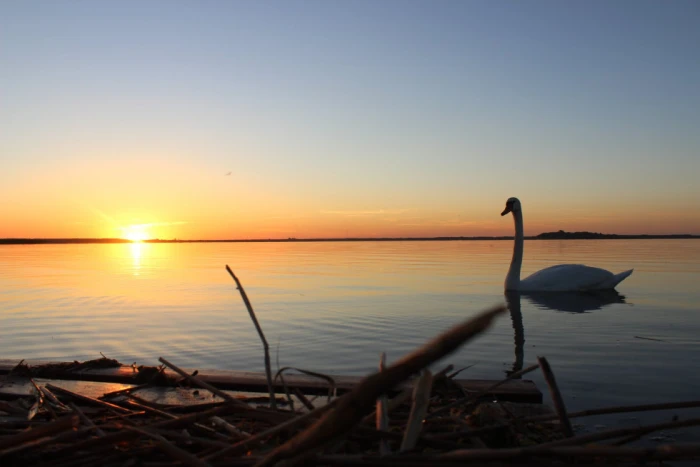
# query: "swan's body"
[[560, 278]]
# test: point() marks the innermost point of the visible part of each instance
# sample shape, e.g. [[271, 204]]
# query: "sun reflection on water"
[[136, 254]]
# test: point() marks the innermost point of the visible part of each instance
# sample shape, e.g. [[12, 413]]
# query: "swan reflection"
[[570, 302]]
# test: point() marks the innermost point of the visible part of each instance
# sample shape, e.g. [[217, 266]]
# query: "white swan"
[[560, 278]]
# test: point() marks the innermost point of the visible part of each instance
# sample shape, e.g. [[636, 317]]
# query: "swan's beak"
[[508, 209]]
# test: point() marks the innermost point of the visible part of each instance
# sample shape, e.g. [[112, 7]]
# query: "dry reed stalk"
[[84, 418], [286, 392], [382, 412], [266, 347], [617, 409], [421, 400], [234, 431], [557, 399], [88, 400], [50, 396], [40, 402], [472, 398], [170, 449], [40, 431], [203, 384], [352, 406], [302, 398], [331, 382]]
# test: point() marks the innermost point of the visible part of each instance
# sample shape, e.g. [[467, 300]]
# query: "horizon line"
[[561, 235]]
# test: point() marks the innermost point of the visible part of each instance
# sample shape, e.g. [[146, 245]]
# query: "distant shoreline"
[[561, 235]]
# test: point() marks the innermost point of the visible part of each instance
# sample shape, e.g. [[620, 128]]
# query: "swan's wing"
[[567, 277]]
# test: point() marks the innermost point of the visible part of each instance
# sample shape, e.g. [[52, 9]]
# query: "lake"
[[335, 306]]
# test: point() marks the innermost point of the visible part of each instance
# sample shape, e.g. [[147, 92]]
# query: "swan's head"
[[512, 205]]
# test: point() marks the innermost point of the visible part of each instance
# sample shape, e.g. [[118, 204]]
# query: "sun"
[[136, 233]]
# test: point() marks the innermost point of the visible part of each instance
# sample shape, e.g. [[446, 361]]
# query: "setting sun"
[[136, 233]]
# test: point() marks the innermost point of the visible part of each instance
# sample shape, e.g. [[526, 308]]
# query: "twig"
[[331, 381], [353, 405], [268, 371], [221, 423], [87, 399], [556, 397], [286, 391], [452, 375], [617, 409], [49, 395], [421, 400], [203, 384], [86, 420], [382, 412], [300, 395]]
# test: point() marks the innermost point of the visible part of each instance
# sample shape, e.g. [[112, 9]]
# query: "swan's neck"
[[513, 277]]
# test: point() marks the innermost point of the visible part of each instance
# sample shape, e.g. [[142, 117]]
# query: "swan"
[[560, 278]]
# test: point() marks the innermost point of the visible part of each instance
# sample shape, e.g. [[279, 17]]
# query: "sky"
[[358, 118]]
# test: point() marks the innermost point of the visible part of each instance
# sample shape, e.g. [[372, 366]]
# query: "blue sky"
[[432, 110]]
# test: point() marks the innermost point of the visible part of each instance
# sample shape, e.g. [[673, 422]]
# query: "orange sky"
[[179, 199]]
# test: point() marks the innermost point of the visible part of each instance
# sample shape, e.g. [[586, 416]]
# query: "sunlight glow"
[[136, 233]]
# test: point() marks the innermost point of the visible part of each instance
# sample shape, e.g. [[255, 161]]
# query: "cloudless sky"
[[358, 118]]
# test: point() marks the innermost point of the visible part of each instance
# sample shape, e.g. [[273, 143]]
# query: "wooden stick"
[[268, 371], [617, 409], [50, 396], [41, 431], [355, 404], [556, 397], [87, 399], [421, 400], [233, 430], [382, 412], [170, 449], [203, 384], [300, 395], [86, 420]]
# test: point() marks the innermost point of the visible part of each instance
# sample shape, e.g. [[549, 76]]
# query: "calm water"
[[333, 307]]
